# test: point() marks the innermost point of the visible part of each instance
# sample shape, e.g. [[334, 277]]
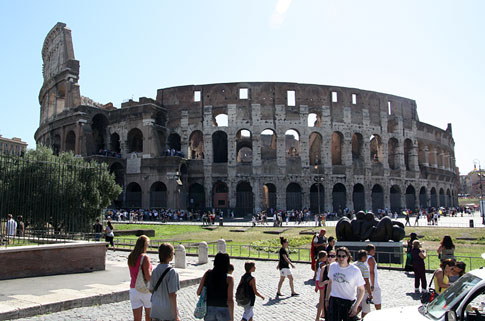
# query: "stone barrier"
[[221, 246], [180, 256], [203, 253]]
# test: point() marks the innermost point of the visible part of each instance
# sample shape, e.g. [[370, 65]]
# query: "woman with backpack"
[[247, 291]]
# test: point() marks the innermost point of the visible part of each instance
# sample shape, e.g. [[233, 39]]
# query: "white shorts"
[[376, 298], [139, 299], [285, 272]]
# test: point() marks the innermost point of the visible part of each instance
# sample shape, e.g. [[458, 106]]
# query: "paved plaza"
[[397, 290]]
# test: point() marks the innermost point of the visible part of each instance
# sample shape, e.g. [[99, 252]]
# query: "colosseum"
[[250, 145]]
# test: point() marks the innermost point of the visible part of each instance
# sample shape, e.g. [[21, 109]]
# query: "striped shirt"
[[11, 227]]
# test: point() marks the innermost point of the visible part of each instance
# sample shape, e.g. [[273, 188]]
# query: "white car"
[[464, 300]]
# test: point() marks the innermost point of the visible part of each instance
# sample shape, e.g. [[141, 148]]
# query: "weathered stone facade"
[[257, 145]]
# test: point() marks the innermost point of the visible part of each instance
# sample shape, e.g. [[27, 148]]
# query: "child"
[[250, 267], [361, 264], [320, 284], [164, 298]]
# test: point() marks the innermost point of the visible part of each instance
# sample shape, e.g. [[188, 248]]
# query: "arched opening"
[[293, 196], [421, 153], [337, 145], [99, 126], [292, 139], [315, 148], [377, 198], [219, 147], [244, 146], [410, 197], [221, 120], [133, 196], [115, 143], [268, 199], [220, 195], [393, 153], [431, 156], [196, 200], [56, 144], [119, 173], [395, 198], [314, 120], [433, 198], [357, 147], [358, 197], [408, 151], [244, 199], [196, 145], [268, 144], [70, 141], [375, 149], [135, 141], [174, 143], [317, 198], [442, 198], [423, 198], [158, 195], [339, 198], [448, 198]]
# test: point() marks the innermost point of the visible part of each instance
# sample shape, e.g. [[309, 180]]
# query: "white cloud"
[[279, 14]]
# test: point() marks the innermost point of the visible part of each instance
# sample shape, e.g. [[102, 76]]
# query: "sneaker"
[[416, 290]]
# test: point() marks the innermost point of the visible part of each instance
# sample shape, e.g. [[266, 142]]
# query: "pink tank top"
[[134, 270]]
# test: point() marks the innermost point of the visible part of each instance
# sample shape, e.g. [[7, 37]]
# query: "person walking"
[[361, 263], [139, 262], [97, 229], [284, 267], [20, 226], [10, 226], [374, 276], [418, 257], [345, 288], [446, 250], [220, 290], [109, 234], [247, 278], [164, 284]]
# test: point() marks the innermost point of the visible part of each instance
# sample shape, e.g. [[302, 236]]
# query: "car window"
[[475, 308], [451, 296]]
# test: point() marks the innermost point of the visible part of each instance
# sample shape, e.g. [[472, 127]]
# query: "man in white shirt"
[[374, 277], [345, 289], [11, 226]]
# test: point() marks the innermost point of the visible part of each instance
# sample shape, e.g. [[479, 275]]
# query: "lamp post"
[[475, 161]]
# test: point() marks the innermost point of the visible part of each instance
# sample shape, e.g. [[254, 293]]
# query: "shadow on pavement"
[[414, 295]]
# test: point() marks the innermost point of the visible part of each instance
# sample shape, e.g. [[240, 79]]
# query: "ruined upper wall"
[[270, 94]]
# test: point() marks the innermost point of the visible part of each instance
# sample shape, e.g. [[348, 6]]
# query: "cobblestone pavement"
[[397, 290]]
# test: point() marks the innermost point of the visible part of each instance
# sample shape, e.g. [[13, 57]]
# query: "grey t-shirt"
[[161, 308]]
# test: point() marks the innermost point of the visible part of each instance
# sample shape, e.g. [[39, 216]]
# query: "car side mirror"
[[451, 316]]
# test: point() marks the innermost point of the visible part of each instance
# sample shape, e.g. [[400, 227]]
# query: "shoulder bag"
[[141, 285]]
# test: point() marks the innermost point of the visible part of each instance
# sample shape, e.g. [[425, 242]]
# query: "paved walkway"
[[397, 290]]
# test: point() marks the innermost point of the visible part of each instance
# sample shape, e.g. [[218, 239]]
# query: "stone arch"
[[71, 141], [115, 145], [377, 197], [410, 197], [244, 198], [315, 148], [317, 198], [408, 154], [339, 197], [395, 198], [135, 141], [219, 147], [158, 195], [442, 197], [337, 147], [268, 199], [99, 127], [448, 198], [358, 196], [196, 199], [292, 142], [314, 120], [56, 144], [174, 142], [293, 196], [268, 144], [423, 198], [357, 148], [196, 145], [244, 146], [433, 198], [375, 146], [220, 120], [133, 195], [220, 194], [119, 172], [421, 153], [393, 153]]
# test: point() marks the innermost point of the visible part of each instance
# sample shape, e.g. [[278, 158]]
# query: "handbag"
[[201, 307], [430, 295], [141, 285]]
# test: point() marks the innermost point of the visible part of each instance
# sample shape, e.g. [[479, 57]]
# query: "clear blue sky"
[[430, 51]]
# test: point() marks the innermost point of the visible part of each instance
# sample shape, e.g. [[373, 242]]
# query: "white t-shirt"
[[345, 281], [376, 277], [11, 227]]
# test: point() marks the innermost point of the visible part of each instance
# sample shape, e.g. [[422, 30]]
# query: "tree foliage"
[[63, 192]]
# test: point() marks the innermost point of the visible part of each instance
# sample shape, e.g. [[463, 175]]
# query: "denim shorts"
[[217, 314]]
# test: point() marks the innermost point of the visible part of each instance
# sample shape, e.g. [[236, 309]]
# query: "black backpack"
[[243, 292]]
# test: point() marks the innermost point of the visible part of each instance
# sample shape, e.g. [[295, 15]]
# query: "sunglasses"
[[332, 255], [341, 256]]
